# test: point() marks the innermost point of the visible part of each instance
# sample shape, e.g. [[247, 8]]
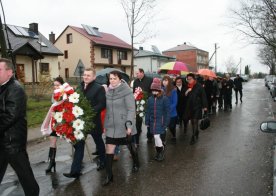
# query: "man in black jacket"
[[95, 94], [238, 87], [13, 129], [144, 83]]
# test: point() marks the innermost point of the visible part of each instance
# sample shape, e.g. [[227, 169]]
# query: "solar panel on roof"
[[23, 31], [91, 30], [14, 30], [32, 34]]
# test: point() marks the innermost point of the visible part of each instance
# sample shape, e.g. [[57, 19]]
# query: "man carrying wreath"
[[95, 94]]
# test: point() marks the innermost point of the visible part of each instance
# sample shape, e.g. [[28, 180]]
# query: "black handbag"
[[205, 122]]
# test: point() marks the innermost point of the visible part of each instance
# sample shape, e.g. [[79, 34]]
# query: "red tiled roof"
[[105, 39]]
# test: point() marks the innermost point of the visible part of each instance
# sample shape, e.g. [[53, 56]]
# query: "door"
[[20, 72]]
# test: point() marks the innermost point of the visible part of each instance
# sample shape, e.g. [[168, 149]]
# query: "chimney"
[[141, 48], [184, 43], [52, 37], [96, 28], [33, 27]]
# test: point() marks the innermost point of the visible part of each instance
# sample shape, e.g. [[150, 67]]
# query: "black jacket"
[[145, 84], [196, 101], [95, 94], [13, 123], [181, 100], [238, 83]]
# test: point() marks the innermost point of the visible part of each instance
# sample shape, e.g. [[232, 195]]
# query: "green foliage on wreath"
[[89, 113]]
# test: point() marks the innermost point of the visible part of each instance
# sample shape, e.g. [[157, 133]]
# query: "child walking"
[[158, 117]]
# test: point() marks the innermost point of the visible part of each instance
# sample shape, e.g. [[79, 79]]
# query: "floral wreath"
[[72, 114], [140, 98]]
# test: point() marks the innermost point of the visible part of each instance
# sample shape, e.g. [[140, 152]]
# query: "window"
[[66, 72], [122, 55], [44, 68], [66, 54], [106, 53], [69, 38]]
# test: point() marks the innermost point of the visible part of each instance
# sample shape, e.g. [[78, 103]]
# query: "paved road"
[[232, 157]]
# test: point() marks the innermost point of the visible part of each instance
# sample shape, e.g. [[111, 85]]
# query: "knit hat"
[[156, 84]]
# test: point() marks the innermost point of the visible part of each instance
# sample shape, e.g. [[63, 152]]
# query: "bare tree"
[[267, 57], [139, 14], [256, 20], [231, 66]]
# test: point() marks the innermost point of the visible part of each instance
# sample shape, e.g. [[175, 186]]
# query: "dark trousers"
[[227, 101], [79, 152], [236, 93], [172, 125], [139, 122], [220, 101], [19, 161]]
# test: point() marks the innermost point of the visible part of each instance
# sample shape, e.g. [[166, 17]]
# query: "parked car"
[[245, 77], [272, 88], [268, 80]]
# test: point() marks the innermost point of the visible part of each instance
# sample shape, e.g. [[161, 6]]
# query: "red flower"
[[58, 108], [68, 116], [68, 106]]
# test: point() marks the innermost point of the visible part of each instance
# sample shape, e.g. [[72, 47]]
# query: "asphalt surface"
[[232, 157]]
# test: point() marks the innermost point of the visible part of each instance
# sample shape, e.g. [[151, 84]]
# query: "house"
[[88, 46], [150, 61], [195, 58], [34, 55]]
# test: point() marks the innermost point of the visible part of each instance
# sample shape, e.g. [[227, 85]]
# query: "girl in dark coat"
[[158, 117], [196, 101]]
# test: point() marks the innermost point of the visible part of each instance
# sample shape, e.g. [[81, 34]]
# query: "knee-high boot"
[[134, 154], [52, 158], [109, 174]]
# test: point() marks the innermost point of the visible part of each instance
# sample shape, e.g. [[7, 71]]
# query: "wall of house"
[[78, 49], [150, 64], [188, 56], [27, 62], [99, 59]]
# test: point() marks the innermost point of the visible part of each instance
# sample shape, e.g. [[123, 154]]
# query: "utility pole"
[[216, 57], [3, 45], [240, 65]]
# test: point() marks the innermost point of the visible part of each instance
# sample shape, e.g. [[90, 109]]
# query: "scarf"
[[191, 85]]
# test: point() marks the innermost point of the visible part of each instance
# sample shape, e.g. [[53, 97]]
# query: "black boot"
[[109, 174], [134, 154], [52, 164], [160, 153]]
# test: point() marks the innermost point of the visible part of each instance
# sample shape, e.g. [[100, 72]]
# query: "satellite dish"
[[155, 49]]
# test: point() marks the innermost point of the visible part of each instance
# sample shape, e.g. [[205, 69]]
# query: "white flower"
[[143, 102], [58, 116], [68, 140], [78, 135], [141, 108], [74, 98], [137, 109], [138, 102], [141, 114], [78, 124], [77, 111]]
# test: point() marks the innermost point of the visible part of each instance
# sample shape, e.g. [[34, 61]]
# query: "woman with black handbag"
[[196, 101]]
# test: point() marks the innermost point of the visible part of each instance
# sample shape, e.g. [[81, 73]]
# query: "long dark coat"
[[196, 101], [95, 94], [181, 100]]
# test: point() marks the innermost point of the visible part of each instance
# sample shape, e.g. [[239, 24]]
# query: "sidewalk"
[[34, 134]]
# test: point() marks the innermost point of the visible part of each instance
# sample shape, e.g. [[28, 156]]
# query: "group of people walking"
[[170, 102]]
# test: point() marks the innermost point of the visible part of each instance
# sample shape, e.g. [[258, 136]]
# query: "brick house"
[[195, 58], [92, 48]]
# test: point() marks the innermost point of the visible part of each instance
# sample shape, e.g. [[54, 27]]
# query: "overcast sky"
[[199, 23]]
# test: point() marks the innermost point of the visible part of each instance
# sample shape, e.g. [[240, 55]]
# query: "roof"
[[147, 53], [106, 39], [182, 47], [17, 42]]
